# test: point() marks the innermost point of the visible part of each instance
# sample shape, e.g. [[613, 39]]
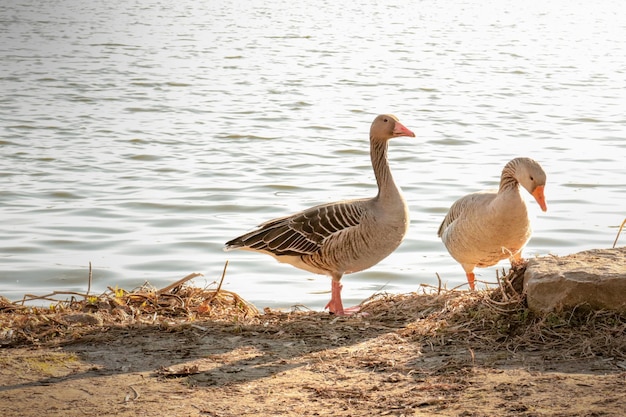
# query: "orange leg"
[[335, 306], [470, 280], [516, 259]]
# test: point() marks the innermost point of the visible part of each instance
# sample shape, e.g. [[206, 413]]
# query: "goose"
[[345, 236], [485, 227]]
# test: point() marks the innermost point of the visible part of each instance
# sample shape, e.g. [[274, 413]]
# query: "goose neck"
[[508, 181], [386, 185]]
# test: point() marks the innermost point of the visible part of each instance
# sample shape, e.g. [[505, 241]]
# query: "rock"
[[594, 278]]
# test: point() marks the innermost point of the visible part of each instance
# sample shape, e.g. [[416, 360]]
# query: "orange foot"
[[335, 306]]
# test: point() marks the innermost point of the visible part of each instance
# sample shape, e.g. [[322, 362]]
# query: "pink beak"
[[401, 130]]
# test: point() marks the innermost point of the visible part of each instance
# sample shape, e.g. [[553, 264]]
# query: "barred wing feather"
[[302, 233]]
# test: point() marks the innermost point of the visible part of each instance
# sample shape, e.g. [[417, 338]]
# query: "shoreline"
[[190, 352]]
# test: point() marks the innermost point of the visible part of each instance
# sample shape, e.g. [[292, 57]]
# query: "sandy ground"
[[453, 354]]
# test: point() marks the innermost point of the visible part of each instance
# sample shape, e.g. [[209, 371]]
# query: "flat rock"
[[594, 278]]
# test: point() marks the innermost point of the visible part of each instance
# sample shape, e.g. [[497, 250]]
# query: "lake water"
[[140, 135]]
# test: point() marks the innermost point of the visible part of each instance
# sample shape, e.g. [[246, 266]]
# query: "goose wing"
[[464, 206], [303, 233]]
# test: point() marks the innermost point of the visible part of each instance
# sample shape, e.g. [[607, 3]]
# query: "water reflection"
[[140, 136]]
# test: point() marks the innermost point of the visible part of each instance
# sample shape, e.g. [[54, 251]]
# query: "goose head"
[[532, 177], [387, 126]]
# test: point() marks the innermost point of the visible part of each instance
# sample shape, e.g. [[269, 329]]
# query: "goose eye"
[[531, 178], [385, 120]]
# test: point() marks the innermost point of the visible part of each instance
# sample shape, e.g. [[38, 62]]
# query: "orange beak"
[[400, 130], [540, 198]]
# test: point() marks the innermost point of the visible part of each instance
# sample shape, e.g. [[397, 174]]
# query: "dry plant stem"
[[618, 232], [438, 283], [31, 297], [509, 285], [89, 279], [500, 286], [219, 286], [178, 283]]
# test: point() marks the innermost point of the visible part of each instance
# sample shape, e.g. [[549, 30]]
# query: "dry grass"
[[181, 350], [488, 320], [68, 319], [499, 320]]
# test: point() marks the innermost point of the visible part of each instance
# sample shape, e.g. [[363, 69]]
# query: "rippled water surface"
[[142, 135]]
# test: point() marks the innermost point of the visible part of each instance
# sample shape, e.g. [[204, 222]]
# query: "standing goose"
[[485, 227], [345, 236]]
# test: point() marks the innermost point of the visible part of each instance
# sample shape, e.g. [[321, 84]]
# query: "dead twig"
[[618, 232], [89, 279], [438, 283], [47, 297], [219, 286], [178, 283], [134, 392]]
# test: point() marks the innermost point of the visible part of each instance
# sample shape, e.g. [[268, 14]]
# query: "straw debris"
[[489, 320], [180, 350], [69, 319], [499, 320]]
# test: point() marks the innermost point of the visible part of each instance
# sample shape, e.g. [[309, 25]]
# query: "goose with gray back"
[[342, 237], [483, 228]]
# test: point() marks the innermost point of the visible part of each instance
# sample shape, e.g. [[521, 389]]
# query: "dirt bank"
[[188, 352]]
